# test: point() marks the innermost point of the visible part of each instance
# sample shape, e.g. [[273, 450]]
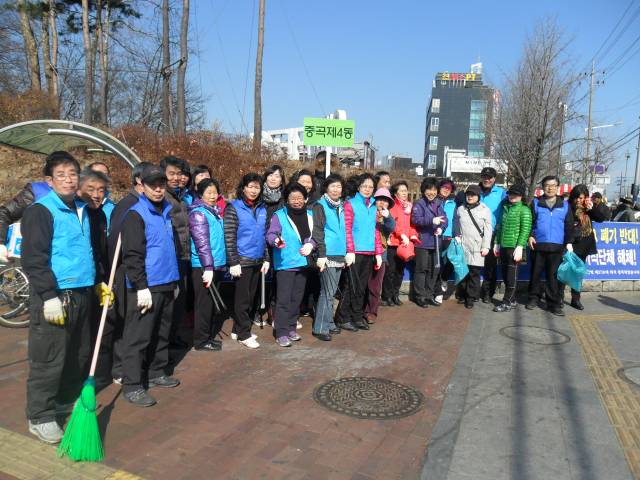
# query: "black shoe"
[[209, 347], [531, 305], [503, 307], [387, 303], [422, 303], [349, 327], [476, 300], [486, 298], [461, 300], [432, 302], [178, 344], [325, 337], [577, 304], [557, 311], [140, 398], [335, 331], [164, 381], [468, 303], [361, 325], [397, 301]]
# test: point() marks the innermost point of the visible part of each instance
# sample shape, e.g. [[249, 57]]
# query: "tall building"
[[457, 117]]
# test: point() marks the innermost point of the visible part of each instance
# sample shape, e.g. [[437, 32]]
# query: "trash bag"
[[455, 255], [571, 271]]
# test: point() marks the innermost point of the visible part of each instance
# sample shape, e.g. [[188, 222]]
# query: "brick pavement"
[[243, 414]]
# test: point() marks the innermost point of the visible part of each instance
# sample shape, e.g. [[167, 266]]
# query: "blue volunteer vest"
[[161, 262], [216, 240], [364, 223], [289, 256], [549, 226], [493, 200], [40, 189], [335, 234], [449, 207], [251, 230], [107, 208], [71, 260]]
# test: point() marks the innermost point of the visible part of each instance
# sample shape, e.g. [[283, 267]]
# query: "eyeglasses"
[[61, 176], [550, 185]]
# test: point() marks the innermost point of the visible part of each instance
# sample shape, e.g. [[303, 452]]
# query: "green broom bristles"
[[81, 441]]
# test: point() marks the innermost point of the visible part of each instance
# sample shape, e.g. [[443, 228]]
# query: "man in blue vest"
[[57, 257], [492, 196], [151, 266], [107, 204], [551, 234]]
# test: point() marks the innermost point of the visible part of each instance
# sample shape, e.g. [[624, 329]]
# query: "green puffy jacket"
[[515, 227]]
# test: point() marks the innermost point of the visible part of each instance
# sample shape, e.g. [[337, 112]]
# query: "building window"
[[435, 105], [433, 143], [433, 161], [477, 120], [435, 123]]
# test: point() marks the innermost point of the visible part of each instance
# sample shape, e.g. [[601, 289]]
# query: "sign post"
[[325, 132]]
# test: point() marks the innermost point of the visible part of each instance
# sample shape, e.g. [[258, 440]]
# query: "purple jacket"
[[199, 229], [422, 217]]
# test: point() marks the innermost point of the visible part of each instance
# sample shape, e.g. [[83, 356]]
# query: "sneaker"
[[531, 305], [438, 299], [164, 381], [503, 307], [234, 336], [444, 286], [140, 398], [117, 380], [283, 341], [294, 337], [48, 432], [250, 342], [209, 347], [557, 311], [298, 325], [258, 322]]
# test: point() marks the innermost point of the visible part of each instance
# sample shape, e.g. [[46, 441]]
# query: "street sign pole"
[[636, 177], [327, 166]]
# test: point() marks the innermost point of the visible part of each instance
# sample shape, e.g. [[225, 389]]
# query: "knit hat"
[[473, 189], [488, 172], [517, 189], [384, 194]]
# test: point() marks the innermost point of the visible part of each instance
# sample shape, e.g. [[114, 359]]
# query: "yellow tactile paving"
[[29, 459], [621, 400]]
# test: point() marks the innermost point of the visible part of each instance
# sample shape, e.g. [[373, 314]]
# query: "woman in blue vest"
[[245, 225], [208, 257], [290, 236], [364, 250], [447, 194], [329, 233], [552, 232]]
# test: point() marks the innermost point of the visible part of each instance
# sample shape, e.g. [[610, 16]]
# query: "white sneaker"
[[49, 432], [298, 325], [117, 380], [250, 342], [234, 336], [438, 299]]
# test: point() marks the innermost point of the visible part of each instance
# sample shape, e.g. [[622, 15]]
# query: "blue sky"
[[376, 59]]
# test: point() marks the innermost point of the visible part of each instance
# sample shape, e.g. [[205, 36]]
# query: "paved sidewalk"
[[517, 410]]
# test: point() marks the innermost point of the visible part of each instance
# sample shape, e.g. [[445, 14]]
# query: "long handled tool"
[[437, 252], [262, 291], [217, 298], [81, 441]]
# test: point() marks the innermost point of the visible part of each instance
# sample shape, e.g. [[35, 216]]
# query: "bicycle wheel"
[[14, 298]]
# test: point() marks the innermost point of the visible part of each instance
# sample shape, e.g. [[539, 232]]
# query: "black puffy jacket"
[[180, 219], [13, 210]]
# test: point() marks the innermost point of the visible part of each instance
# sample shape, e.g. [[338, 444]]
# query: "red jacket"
[[403, 224]]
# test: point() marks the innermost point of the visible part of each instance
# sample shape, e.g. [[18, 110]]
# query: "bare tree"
[[166, 68], [182, 68], [102, 33], [257, 97], [89, 62], [30, 45], [52, 57]]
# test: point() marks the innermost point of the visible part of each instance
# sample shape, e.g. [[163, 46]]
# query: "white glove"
[[145, 302], [437, 220], [306, 249], [405, 239], [438, 232], [350, 259], [265, 267], [484, 252], [53, 311], [207, 277], [378, 262], [496, 250], [176, 292], [569, 247], [235, 271], [384, 212], [4, 254], [459, 240], [321, 263], [517, 254]]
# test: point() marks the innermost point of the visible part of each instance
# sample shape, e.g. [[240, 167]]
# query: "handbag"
[[406, 253]]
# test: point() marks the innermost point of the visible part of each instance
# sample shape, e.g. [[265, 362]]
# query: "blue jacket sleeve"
[[199, 229]]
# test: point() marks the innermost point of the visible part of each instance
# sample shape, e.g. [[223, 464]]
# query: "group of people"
[[174, 239]]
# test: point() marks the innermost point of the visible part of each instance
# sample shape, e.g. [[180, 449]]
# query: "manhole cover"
[[535, 335], [368, 397], [630, 374]]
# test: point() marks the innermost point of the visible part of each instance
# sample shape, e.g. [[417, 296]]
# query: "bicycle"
[[14, 297]]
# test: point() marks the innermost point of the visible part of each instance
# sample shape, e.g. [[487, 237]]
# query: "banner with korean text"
[[618, 251]]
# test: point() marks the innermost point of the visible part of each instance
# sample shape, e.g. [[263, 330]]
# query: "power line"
[[621, 56], [621, 33], [246, 77], [612, 31]]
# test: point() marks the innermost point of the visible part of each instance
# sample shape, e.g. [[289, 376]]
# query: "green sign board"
[[323, 132]]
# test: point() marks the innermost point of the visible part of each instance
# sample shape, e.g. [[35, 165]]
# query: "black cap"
[[474, 189], [489, 172], [517, 189], [152, 173]]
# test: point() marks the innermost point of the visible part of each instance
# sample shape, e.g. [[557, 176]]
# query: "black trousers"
[[145, 340], [207, 322], [471, 283], [490, 274], [393, 274], [245, 301], [425, 274], [547, 262], [509, 274], [59, 356], [181, 303], [291, 290], [351, 306]]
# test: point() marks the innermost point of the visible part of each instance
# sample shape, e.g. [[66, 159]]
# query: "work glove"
[[350, 259], [103, 293], [54, 312], [569, 247], [437, 220], [517, 254], [265, 267], [404, 239], [235, 271], [207, 278], [496, 250], [378, 262], [384, 212], [4, 254], [306, 249], [176, 292], [321, 263], [145, 302], [484, 252]]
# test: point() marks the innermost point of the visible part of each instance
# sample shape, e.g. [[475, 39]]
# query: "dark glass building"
[[457, 116]]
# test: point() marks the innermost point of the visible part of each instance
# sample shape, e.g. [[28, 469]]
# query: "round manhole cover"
[[630, 374], [368, 397], [535, 335]]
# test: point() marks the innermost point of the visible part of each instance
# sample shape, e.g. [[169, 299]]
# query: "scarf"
[[300, 219], [406, 205], [336, 204], [585, 221], [271, 195]]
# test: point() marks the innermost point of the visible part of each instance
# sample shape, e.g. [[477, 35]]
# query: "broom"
[[81, 441]]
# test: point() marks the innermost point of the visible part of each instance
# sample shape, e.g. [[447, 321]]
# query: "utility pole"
[[585, 164], [626, 170], [636, 177], [257, 93]]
